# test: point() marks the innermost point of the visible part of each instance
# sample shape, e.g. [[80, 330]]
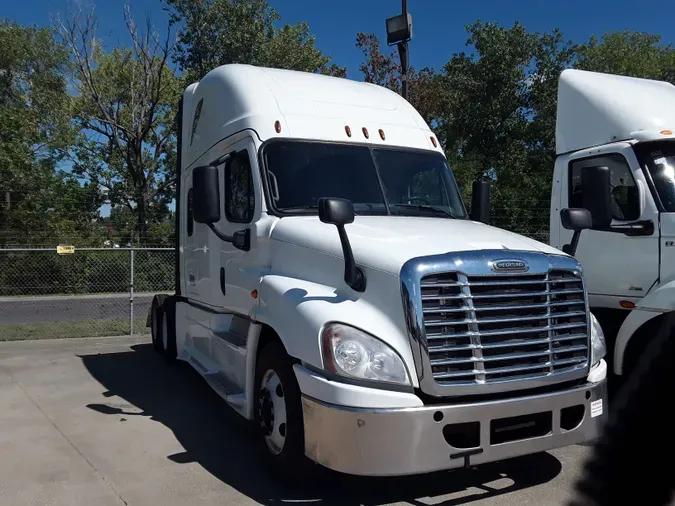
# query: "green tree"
[[635, 54], [35, 131], [125, 108], [218, 32], [501, 126]]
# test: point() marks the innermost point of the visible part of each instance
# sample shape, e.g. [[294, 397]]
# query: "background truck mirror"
[[340, 212], [577, 220], [480, 201], [597, 195], [206, 189]]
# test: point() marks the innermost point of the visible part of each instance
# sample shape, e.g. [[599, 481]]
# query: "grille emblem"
[[510, 266]]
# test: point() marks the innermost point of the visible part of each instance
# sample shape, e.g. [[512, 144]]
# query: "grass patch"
[[78, 328]]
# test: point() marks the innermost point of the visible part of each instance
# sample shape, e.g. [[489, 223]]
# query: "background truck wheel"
[[169, 330], [278, 413], [156, 326]]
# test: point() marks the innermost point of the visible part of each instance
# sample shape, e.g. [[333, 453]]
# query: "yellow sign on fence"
[[63, 249]]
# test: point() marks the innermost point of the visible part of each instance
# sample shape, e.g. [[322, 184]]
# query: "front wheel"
[[279, 411]]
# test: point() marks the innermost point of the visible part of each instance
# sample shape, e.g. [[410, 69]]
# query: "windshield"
[[378, 181], [659, 158]]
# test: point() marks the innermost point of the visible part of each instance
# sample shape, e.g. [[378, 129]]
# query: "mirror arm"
[[571, 248], [354, 276], [219, 234], [245, 246]]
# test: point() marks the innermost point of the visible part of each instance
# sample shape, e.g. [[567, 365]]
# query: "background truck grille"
[[488, 329]]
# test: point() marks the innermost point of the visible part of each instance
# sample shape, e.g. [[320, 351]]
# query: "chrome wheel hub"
[[272, 412]]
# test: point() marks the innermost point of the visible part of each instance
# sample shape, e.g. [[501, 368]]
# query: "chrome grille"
[[488, 329]]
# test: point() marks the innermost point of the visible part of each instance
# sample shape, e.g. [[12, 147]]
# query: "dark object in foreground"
[[629, 463]]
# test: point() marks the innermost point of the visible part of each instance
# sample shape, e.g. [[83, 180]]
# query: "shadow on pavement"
[[222, 442]]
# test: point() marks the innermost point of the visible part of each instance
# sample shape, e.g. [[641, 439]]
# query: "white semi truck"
[[331, 287], [615, 146]]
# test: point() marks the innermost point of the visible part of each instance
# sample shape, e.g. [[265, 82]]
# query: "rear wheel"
[[169, 330], [278, 412], [156, 325]]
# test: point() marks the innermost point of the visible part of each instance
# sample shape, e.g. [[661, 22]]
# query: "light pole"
[[399, 32]]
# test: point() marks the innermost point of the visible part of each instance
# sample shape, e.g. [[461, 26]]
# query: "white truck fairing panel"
[[308, 106], [596, 109]]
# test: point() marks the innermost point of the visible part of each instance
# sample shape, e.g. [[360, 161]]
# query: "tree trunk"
[[141, 210]]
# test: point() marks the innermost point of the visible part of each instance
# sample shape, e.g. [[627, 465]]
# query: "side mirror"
[[336, 211], [480, 201], [597, 196], [340, 212], [576, 220], [206, 189]]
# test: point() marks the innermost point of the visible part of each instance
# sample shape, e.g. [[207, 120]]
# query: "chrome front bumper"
[[390, 442]]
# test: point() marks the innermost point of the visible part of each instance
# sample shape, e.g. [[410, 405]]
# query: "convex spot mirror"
[[206, 188]]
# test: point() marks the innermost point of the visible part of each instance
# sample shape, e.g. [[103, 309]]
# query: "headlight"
[[353, 353], [598, 348]]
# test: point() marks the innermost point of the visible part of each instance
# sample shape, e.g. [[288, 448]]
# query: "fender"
[[660, 300], [297, 310]]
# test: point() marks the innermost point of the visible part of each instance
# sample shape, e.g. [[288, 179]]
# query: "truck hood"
[[387, 242]]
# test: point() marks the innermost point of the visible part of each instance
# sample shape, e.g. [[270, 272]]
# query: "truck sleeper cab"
[[332, 289], [625, 125]]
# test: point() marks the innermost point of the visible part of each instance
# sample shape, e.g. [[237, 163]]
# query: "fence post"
[[131, 294]]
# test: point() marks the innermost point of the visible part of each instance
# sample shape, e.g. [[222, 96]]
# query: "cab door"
[[613, 262], [236, 268]]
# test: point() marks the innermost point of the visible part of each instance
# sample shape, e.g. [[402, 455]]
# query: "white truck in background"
[[332, 289], [615, 146]]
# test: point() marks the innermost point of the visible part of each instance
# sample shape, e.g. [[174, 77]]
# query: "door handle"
[[222, 280]]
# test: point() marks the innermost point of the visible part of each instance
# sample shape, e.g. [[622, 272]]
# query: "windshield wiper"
[[426, 207]]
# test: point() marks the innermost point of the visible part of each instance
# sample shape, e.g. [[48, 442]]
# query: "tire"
[[277, 398], [156, 316], [169, 330]]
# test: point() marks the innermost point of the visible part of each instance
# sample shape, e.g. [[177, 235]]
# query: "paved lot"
[[105, 422]]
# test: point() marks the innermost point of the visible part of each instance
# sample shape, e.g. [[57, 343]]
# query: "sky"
[[438, 25]]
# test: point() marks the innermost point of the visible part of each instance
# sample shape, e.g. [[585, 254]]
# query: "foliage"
[[218, 32], [501, 126], [34, 130], [124, 109], [628, 53]]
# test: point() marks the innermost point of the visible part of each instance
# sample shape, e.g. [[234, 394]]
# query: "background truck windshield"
[[377, 180], [659, 157]]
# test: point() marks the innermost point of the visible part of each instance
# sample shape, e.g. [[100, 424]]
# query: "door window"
[[239, 197], [625, 196]]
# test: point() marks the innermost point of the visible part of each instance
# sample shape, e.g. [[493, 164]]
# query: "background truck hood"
[[387, 242]]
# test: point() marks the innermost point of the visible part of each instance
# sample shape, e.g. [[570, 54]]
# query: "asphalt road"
[[106, 422], [18, 310]]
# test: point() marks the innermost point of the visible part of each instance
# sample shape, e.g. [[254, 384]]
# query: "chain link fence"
[[88, 292], [107, 291]]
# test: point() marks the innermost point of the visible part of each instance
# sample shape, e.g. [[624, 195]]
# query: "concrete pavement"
[[105, 421]]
